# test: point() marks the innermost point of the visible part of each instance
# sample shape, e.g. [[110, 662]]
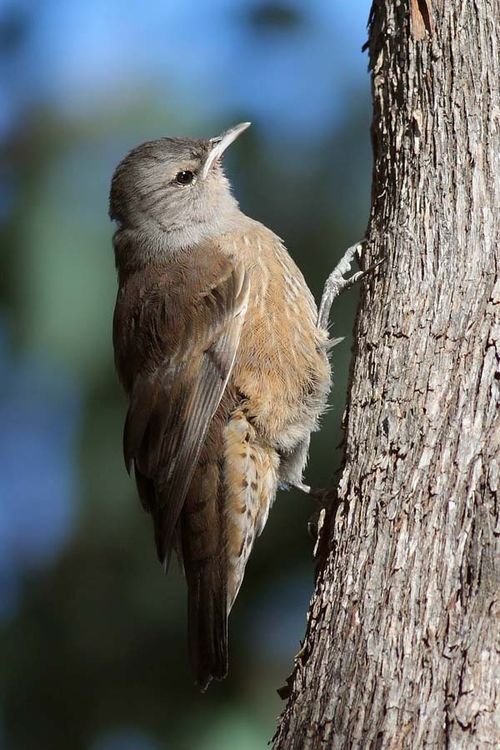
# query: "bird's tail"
[[207, 617], [225, 511], [205, 566]]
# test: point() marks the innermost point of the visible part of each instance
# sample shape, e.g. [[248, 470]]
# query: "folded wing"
[[172, 404]]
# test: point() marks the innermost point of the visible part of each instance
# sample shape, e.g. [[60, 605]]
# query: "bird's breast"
[[281, 368]]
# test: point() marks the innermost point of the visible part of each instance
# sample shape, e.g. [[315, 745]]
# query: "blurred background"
[[93, 649]]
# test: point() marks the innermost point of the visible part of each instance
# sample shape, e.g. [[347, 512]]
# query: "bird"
[[225, 369]]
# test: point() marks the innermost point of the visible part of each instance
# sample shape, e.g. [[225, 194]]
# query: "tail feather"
[[205, 566], [207, 618], [225, 510]]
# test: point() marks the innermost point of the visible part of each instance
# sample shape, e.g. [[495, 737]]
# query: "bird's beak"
[[219, 144]]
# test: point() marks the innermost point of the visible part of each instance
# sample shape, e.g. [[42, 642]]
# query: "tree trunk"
[[399, 650]]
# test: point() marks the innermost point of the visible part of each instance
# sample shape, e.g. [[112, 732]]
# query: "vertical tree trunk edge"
[[399, 651]]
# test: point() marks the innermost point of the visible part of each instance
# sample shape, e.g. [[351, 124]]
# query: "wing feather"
[[171, 408]]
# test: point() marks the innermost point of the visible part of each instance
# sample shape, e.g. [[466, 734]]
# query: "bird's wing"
[[171, 406]]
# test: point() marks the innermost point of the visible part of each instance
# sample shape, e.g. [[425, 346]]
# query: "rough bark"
[[400, 646]]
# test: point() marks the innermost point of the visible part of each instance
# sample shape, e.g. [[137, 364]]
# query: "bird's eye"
[[184, 178]]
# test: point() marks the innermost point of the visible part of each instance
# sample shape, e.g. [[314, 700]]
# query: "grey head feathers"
[[172, 192]]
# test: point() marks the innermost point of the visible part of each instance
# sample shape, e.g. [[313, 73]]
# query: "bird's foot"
[[336, 284], [324, 496], [327, 499]]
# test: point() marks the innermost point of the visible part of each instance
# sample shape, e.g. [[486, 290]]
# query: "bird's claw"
[[336, 283], [323, 495]]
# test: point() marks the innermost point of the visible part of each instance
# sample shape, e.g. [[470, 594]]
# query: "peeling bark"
[[400, 646]]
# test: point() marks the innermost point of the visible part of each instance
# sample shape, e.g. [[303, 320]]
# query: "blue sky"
[[201, 54]]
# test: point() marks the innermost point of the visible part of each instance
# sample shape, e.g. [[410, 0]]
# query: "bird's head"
[[175, 186]]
